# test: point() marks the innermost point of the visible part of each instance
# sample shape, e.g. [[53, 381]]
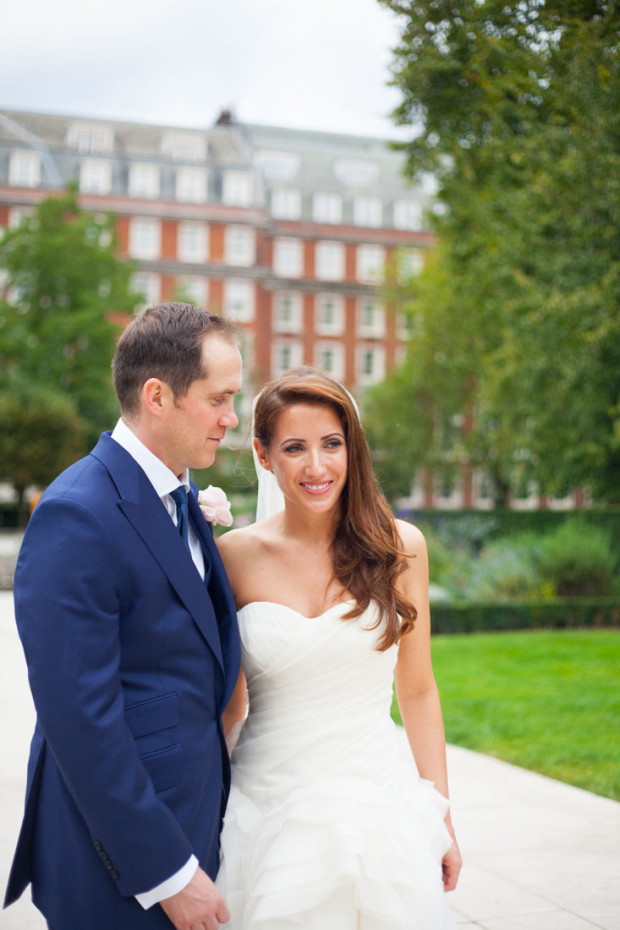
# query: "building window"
[[17, 215], [370, 365], [24, 169], [329, 315], [193, 289], [144, 181], [184, 146], [367, 211], [409, 263], [288, 258], [285, 204], [95, 176], [407, 214], [327, 208], [370, 319], [370, 263], [285, 355], [239, 301], [145, 238], [192, 242], [148, 286], [329, 356], [448, 489], [405, 325], [240, 245], [354, 172], [329, 261], [287, 313], [90, 140], [237, 189], [483, 491], [277, 166], [191, 185]]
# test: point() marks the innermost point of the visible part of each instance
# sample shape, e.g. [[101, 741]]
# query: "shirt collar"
[[161, 477]]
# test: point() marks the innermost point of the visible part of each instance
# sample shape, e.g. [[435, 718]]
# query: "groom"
[[130, 635]]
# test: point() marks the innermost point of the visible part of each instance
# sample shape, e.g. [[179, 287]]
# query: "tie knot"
[[179, 496]]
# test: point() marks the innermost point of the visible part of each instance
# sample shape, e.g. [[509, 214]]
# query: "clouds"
[[319, 65]]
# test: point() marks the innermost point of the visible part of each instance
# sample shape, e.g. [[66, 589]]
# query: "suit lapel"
[[220, 593], [143, 508]]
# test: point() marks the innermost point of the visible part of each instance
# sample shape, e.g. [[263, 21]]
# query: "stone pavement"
[[539, 855]]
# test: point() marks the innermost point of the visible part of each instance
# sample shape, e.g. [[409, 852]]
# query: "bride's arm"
[[236, 711], [416, 689]]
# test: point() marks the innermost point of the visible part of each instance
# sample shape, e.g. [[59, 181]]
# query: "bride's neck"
[[316, 529]]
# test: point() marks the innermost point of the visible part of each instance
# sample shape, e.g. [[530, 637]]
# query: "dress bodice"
[[322, 676]]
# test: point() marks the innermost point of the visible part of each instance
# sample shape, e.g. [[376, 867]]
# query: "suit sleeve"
[[68, 599]]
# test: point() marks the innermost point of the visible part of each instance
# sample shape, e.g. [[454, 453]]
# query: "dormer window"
[[91, 138]]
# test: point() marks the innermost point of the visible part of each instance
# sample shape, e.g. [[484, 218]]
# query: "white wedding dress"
[[328, 825]]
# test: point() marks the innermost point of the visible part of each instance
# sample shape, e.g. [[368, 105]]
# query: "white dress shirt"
[[164, 481]]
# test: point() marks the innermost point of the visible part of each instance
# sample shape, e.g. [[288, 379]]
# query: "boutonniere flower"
[[215, 506]]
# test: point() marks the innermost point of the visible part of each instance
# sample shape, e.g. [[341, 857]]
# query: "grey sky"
[[322, 64]]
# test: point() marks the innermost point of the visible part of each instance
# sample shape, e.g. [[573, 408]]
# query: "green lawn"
[[546, 700]]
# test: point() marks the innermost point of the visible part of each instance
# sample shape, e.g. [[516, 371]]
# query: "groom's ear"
[[261, 454], [155, 395]]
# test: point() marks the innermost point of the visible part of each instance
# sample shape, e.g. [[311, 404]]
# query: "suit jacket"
[[131, 658]]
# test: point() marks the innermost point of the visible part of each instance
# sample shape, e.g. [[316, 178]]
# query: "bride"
[[331, 823]]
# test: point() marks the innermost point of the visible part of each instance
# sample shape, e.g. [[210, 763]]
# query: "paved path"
[[539, 855]]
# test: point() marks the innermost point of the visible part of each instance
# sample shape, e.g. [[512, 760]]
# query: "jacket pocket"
[[164, 767], [154, 723], [158, 713]]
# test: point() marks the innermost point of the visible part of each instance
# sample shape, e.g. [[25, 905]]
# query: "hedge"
[[560, 613], [480, 526]]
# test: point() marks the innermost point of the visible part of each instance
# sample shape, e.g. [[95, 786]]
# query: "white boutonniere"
[[215, 506]]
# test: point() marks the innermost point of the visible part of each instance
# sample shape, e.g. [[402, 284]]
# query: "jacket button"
[[114, 873]]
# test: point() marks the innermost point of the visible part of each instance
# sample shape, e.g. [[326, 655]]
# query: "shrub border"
[[560, 613]]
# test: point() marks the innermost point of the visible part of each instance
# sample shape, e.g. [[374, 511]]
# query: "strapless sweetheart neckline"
[[293, 610]]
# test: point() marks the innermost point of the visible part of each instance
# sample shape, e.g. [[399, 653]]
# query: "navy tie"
[[179, 496]]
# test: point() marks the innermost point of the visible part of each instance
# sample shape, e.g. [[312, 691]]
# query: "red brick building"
[[291, 233]]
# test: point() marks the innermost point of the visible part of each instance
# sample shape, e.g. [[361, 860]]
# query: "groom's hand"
[[199, 906]]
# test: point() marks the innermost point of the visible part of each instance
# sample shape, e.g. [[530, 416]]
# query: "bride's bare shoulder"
[[412, 538], [246, 541]]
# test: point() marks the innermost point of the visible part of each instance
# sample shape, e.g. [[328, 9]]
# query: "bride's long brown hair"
[[366, 549]]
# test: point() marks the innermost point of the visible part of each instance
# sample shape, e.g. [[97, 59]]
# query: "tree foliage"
[[63, 284], [41, 433], [516, 323]]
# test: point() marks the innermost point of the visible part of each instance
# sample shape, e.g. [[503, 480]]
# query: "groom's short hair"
[[165, 342]]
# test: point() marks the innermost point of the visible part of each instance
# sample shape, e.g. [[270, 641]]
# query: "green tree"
[[41, 433], [518, 115], [64, 284]]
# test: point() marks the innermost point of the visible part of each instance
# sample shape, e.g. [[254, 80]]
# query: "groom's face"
[[195, 424]]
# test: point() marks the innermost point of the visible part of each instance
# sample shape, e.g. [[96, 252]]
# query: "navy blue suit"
[[131, 657]]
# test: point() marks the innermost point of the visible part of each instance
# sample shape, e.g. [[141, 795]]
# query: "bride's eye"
[[294, 447]]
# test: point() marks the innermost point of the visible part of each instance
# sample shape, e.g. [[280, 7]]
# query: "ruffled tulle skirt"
[[337, 853]]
